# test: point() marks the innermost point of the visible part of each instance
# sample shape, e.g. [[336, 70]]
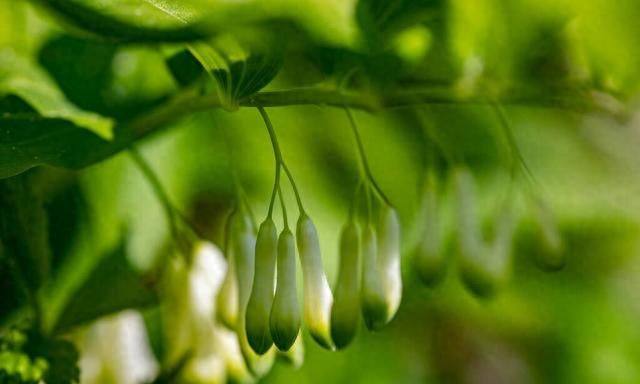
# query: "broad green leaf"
[[327, 21], [137, 20], [23, 230], [28, 142], [112, 286], [23, 79]]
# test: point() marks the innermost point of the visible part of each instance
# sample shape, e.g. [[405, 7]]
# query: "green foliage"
[[535, 99], [24, 231], [30, 358], [24, 80], [126, 289]]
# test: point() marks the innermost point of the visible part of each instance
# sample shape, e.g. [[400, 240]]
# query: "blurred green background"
[[574, 63]]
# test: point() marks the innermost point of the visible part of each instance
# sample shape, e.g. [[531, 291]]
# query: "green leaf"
[[112, 286], [61, 358], [241, 68], [138, 20], [327, 21], [28, 142], [21, 78], [23, 230], [184, 68]]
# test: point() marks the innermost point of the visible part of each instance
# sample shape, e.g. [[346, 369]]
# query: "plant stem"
[[517, 158], [278, 158], [279, 163], [284, 209], [295, 189], [363, 158], [189, 101], [171, 211], [156, 185]]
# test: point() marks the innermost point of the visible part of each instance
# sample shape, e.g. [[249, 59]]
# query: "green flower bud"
[[285, 313], [469, 238], [259, 307], [430, 259], [345, 312], [227, 298], [317, 294], [374, 308], [552, 256], [176, 307], [295, 355], [389, 260], [483, 268], [243, 239]]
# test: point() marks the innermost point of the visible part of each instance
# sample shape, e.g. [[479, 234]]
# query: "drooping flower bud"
[[243, 239], [374, 308], [295, 355], [259, 306], [227, 298], [317, 294], [430, 259], [552, 256], [469, 238], [285, 312], [483, 267], [345, 312], [389, 260]]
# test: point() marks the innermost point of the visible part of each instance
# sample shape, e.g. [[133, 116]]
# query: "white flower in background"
[[214, 354], [117, 351]]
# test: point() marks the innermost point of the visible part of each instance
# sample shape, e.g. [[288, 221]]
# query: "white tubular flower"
[[117, 351], [374, 308], [389, 260], [261, 299], [285, 313], [483, 267], [243, 240], [317, 294], [430, 258], [345, 313], [227, 296]]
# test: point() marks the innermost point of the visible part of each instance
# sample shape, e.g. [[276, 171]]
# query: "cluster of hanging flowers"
[[258, 298], [484, 262]]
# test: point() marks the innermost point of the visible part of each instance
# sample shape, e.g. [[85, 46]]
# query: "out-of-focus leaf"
[[328, 21], [60, 355], [84, 85], [28, 142], [112, 286], [21, 78], [23, 230], [184, 67], [12, 297], [138, 20]]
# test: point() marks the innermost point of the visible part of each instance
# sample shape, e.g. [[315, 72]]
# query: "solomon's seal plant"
[[398, 124]]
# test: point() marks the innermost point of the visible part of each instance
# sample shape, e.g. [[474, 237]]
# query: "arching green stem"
[[279, 163], [363, 158], [158, 189], [517, 159], [284, 209]]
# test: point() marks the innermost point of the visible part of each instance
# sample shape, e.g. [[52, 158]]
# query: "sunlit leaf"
[[19, 77]]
